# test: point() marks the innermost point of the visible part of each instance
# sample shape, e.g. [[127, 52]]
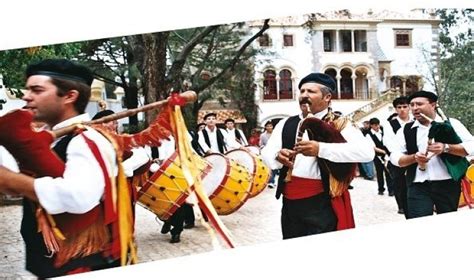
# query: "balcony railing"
[[387, 97]]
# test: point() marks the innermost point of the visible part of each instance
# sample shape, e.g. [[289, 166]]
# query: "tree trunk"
[[155, 87]]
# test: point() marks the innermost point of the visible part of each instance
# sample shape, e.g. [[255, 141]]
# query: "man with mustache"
[[307, 206]]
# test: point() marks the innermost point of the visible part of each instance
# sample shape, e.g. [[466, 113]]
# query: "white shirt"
[[357, 149], [165, 150], [389, 135], [377, 134], [82, 185], [264, 138], [232, 141], [435, 169], [212, 139], [139, 158], [7, 160]]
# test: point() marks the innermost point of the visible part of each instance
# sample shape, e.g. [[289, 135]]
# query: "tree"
[[113, 61], [163, 61], [13, 63], [456, 64], [201, 56]]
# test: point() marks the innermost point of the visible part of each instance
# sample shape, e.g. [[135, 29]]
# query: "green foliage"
[[457, 99], [13, 63], [456, 81]]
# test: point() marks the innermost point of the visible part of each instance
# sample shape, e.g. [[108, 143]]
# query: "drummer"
[[212, 139], [236, 137]]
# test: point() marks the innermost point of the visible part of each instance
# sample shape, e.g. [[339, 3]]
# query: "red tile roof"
[[223, 114]]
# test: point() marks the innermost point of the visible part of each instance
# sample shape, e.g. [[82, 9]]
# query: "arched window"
[[269, 85], [332, 72], [346, 84], [285, 85]]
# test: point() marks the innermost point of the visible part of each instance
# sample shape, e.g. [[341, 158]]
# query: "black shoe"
[[380, 193], [166, 228], [175, 238], [188, 226], [391, 194], [401, 211]]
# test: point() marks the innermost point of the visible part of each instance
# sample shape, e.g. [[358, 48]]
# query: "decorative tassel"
[[192, 174]]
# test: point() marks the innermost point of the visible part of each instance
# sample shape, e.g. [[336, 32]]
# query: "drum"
[[258, 170], [467, 188], [227, 184], [167, 189], [253, 149]]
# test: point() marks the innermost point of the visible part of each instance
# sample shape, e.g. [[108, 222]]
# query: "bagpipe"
[[457, 166], [328, 130]]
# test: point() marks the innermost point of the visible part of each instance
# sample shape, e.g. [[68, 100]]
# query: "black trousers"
[[189, 218], [441, 195], [183, 214], [307, 216], [399, 186], [381, 173]]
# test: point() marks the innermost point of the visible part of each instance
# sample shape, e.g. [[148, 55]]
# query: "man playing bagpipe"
[[434, 151], [70, 211], [311, 205]]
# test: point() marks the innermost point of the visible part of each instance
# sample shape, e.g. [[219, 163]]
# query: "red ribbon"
[[175, 99]]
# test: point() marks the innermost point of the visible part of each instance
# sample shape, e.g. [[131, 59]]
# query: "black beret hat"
[[374, 121], [102, 114], [62, 69], [229, 120], [209, 115], [319, 78], [400, 101], [427, 94]]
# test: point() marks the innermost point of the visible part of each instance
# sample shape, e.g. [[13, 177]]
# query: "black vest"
[[379, 144], [412, 148], [395, 125], [288, 142], [220, 140]]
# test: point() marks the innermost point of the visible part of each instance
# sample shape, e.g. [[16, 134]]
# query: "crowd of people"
[[315, 197]]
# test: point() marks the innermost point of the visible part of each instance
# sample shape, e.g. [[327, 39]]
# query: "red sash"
[[300, 188]]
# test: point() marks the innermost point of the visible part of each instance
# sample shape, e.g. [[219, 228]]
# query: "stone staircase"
[[384, 99]]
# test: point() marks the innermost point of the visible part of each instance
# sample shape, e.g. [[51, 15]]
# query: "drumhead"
[[253, 149], [217, 174], [244, 158]]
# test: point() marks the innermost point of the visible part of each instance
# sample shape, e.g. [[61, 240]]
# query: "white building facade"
[[367, 54]]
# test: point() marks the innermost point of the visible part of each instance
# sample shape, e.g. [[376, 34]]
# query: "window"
[[402, 38], [328, 40], [287, 40], [285, 85], [264, 40], [346, 40], [360, 40], [277, 89], [269, 85]]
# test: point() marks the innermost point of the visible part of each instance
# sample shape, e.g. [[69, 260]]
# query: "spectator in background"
[[235, 137], [254, 139], [212, 139], [263, 141], [366, 169]]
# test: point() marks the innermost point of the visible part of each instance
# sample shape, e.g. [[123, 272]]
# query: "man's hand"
[[436, 148], [307, 148], [285, 157], [421, 158]]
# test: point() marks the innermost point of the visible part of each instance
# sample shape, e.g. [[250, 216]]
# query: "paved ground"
[[256, 222]]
